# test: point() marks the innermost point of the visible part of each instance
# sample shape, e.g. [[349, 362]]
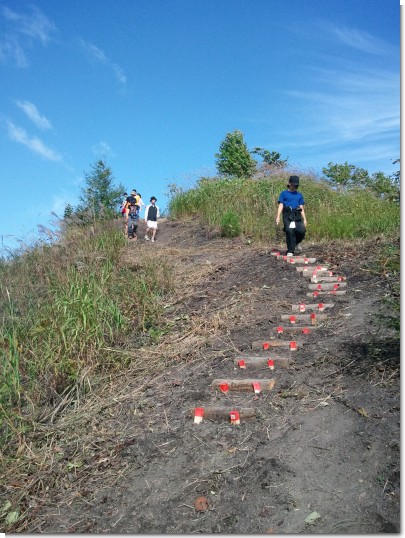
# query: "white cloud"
[[33, 114], [21, 31], [103, 149], [36, 25], [19, 135], [10, 48], [351, 107], [361, 41], [96, 54]]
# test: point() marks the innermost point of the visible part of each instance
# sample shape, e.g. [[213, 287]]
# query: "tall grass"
[[330, 214], [64, 308]]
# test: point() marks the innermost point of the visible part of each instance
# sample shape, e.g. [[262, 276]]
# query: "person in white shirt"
[[151, 216]]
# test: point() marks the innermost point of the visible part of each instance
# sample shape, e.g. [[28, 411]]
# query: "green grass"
[[330, 214], [64, 309]]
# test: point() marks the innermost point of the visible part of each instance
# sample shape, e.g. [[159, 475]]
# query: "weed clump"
[[230, 225]]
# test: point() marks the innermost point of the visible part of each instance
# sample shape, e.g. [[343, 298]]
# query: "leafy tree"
[[233, 158], [99, 195], [69, 210], [346, 175], [270, 157]]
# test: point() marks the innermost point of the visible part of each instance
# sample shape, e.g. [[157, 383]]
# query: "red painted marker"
[[270, 364], [266, 346], [224, 387], [198, 415], [279, 330], [235, 417]]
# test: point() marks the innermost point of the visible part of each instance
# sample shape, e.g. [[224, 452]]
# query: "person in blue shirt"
[[291, 206]]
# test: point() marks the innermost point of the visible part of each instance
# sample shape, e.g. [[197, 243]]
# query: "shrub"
[[230, 225]]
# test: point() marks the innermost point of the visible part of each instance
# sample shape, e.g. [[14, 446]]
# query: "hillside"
[[129, 459]]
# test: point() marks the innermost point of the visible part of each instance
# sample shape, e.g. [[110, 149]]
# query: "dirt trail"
[[325, 439]]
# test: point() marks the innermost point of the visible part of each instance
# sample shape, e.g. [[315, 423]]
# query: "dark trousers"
[[294, 236], [132, 227]]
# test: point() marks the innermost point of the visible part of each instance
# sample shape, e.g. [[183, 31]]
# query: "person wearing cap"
[[291, 206], [151, 215]]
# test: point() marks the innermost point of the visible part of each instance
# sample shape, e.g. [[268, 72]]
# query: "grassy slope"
[[83, 309]]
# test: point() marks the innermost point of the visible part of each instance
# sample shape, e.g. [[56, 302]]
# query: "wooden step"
[[321, 278], [254, 361], [243, 385], [284, 257], [223, 413], [294, 329], [311, 318], [297, 260], [312, 268], [315, 306], [317, 293], [259, 344], [327, 286]]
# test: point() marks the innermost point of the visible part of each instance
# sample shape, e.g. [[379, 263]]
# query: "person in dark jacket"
[[151, 216], [291, 206]]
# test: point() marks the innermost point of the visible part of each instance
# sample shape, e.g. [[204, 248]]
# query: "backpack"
[[133, 213]]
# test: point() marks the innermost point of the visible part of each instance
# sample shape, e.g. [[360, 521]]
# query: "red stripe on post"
[[302, 307], [198, 415], [270, 364], [293, 346], [292, 319], [266, 346], [235, 417], [279, 330], [256, 387], [242, 364], [224, 387], [305, 330]]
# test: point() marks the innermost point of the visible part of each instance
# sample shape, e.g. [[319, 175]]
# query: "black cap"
[[294, 180], [153, 198]]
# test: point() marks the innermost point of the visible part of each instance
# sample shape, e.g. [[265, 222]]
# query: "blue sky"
[[154, 86]]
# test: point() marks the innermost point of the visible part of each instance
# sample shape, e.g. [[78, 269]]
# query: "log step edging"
[[254, 361], [321, 278], [221, 413], [331, 292], [267, 344], [309, 268], [328, 286], [311, 306], [243, 385], [292, 328], [312, 318]]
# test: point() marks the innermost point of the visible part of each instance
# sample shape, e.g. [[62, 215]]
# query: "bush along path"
[[275, 408]]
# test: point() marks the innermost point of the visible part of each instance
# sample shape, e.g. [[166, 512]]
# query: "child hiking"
[[133, 218], [291, 206]]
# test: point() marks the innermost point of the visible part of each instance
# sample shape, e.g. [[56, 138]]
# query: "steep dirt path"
[[323, 443]]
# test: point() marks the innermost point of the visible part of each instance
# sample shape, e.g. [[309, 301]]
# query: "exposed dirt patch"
[[325, 440]]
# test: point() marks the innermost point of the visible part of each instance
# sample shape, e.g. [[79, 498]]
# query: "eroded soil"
[[325, 440]]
